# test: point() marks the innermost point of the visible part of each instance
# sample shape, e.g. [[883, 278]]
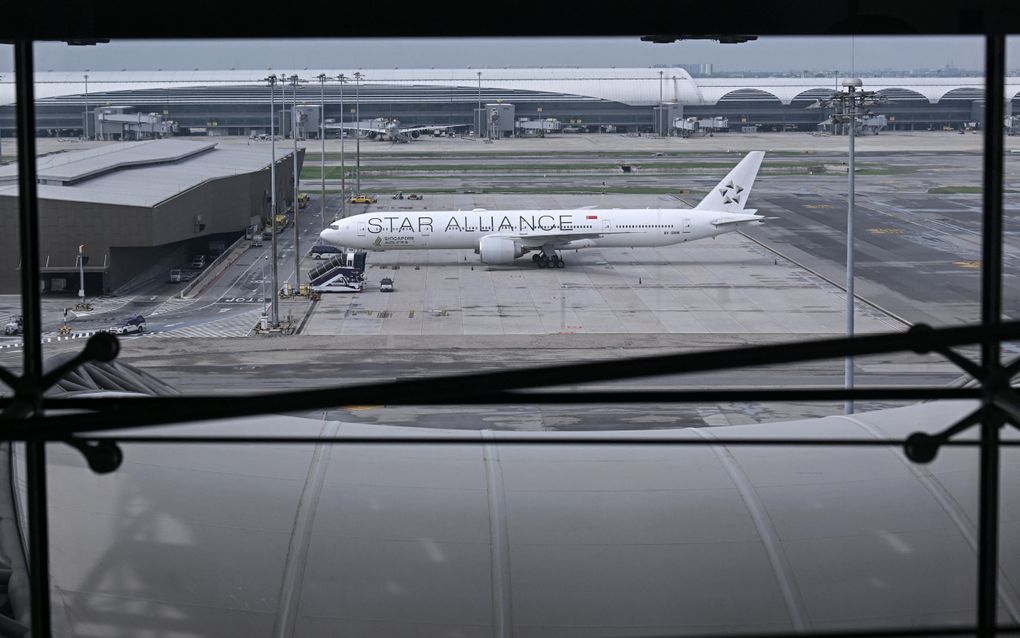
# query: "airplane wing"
[[437, 127], [358, 126], [558, 240]]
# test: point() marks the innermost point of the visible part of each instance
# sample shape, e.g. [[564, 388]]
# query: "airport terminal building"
[[138, 208], [140, 104]]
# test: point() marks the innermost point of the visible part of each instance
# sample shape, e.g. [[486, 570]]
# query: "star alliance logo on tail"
[[731, 193]]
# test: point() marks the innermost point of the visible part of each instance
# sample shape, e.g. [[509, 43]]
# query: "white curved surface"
[[631, 86], [635, 86], [497, 539]]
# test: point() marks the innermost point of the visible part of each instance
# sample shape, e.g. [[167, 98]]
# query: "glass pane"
[[573, 540], [171, 208], [10, 299]]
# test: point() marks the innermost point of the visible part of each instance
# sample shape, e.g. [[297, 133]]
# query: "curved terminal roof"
[[626, 85], [632, 86], [498, 539], [143, 173]]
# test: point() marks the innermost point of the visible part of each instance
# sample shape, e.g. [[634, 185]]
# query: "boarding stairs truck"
[[337, 275]]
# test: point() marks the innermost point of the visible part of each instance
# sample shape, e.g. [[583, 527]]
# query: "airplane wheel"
[[560, 263], [536, 257], [543, 262]]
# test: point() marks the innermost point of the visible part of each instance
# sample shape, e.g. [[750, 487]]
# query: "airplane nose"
[[329, 236]]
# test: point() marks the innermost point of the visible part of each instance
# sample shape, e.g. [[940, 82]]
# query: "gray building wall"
[[225, 205]]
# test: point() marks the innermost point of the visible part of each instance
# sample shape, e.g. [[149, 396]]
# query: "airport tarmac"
[[796, 142], [726, 285], [918, 260]]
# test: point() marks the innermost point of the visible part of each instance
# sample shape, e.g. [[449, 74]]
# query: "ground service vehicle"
[[364, 199], [303, 200], [198, 261], [385, 285], [320, 251], [15, 326]]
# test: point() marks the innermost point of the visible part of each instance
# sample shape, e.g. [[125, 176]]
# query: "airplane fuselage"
[[501, 236], [399, 230]]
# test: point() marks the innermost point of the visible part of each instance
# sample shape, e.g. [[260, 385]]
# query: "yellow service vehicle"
[[364, 199], [303, 200]]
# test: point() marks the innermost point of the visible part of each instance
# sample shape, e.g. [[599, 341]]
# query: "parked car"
[[198, 261], [133, 324], [385, 285]]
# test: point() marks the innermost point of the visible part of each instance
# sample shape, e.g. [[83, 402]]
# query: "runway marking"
[[972, 264], [885, 231], [817, 205]]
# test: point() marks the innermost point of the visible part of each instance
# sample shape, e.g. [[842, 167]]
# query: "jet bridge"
[[339, 274]]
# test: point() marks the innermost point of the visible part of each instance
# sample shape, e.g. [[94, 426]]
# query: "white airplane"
[[391, 129], [501, 236]]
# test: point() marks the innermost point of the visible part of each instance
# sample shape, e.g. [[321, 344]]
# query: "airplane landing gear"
[[554, 261]]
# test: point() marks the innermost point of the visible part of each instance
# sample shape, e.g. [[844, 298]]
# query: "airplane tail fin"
[[732, 192]]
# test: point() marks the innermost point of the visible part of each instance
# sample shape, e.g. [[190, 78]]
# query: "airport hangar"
[[138, 207], [231, 102]]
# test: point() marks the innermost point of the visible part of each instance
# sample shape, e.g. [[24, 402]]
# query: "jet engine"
[[498, 250]]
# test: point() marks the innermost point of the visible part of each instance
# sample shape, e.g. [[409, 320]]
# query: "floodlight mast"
[[846, 107], [342, 79], [294, 80], [357, 134], [848, 365], [275, 313], [322, 154]]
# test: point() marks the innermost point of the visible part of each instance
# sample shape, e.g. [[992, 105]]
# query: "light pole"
[[343, 171], [848, 364], [662, 129], [478, 117], [86, 122], [265, 258], [275, 314], [845, 110], [294, 198], [357, 135], [322, 155], [81, 270]]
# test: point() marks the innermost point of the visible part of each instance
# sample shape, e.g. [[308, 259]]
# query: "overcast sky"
[[766, 54]]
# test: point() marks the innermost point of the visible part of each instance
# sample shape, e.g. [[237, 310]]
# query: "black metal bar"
[[353, 396], [487, 387], [906, 632], [991, 316], [29, 391], [552, 439], [141, 412], [507, 438]]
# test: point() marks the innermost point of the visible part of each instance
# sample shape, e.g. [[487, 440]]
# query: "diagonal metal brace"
[[1007, 401], [101, 346], [102, 457], [922, 447], [9, 378], [999, 401], [932, 343]]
